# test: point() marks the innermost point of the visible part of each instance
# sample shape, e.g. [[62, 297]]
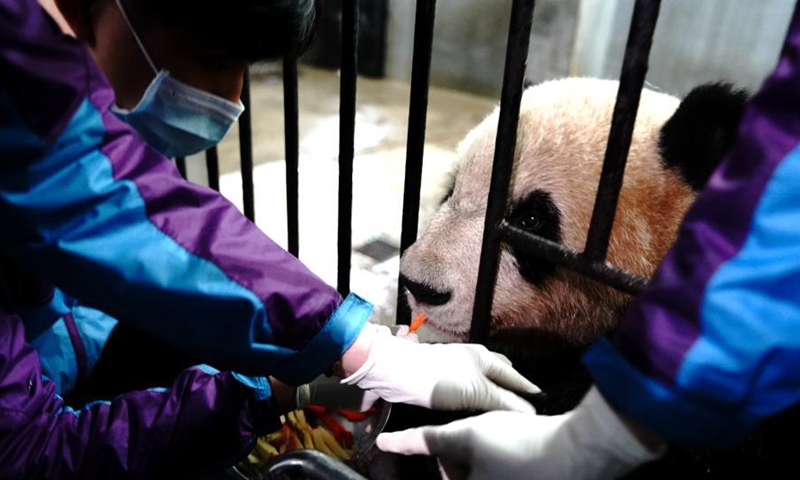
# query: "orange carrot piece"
[[417, 323]]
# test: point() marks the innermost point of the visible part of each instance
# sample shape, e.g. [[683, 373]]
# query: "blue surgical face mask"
[[175, 118]]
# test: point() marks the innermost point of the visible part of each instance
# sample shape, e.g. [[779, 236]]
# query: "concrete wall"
[[695, 41], [470, 42]]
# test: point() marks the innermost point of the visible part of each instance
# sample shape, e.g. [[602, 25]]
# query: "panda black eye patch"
[[538, 214]]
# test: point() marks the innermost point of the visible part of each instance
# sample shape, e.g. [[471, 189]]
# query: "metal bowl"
[[364, 434]]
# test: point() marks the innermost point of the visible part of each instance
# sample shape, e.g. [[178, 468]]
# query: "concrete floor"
[[380, 146]]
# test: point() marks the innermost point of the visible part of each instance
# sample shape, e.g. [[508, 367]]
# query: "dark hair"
[[251, 30]]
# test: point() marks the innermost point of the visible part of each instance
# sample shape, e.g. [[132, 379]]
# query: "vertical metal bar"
[[292, 145], [513, 78], [347, 125], [181, 163], [212, 167], [246, 151], [417, 122], [634, 70]]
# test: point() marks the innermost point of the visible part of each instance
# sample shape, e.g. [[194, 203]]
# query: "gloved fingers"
[[405, 442], [502, 358], [403, 331], [497, 398], [368, 400], [503, 374], [445, 441], [399, 330]]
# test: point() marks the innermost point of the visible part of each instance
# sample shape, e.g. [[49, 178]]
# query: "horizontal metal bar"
[[347, 132], [292, 145], [212, 167], [505, 145], [631, 82], [417, 122], [562, 256], [246, 152]]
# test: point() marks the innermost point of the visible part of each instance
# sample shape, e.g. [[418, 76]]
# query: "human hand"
[[591, 442], [439, 376]]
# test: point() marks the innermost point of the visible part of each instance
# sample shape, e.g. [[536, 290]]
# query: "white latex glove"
[[591, 442], [440, 376], [329, 392]]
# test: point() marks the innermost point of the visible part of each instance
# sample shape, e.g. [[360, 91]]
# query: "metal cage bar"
[[567, 257], [417, 122], [347, 126], [292, 145], [180, 162], [212, 167], [310, 464], [246, 152], [513, 79], [634, 70]]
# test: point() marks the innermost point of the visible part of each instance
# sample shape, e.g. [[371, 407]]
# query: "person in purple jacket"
[[709, 352], [99, 227]]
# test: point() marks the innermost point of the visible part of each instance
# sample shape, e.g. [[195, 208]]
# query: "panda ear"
[[701, 131]]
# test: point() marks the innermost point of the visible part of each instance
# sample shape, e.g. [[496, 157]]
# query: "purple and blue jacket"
[[86, 206], [713, 346]]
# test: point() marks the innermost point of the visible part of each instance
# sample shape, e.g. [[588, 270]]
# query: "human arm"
[[87, 205], [711, 348], [205, 419]]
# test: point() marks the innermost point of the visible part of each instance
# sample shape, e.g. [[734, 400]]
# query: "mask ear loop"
[[136, 36]]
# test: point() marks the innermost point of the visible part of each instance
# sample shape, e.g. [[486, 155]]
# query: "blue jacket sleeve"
[[91, 208], [713, 346]]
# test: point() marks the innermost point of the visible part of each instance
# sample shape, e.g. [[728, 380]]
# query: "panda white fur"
[[544, 316]]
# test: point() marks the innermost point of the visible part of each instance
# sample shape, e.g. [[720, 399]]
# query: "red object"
[[341, 434], [354, 416], [287, 435]]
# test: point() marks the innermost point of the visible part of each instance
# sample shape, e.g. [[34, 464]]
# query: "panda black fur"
[[690, 143]]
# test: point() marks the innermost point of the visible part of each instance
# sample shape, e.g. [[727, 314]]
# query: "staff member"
[[88, 207]]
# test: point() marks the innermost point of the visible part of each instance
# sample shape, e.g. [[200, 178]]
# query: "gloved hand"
[[329, 392], [590, 442], [439, 376]]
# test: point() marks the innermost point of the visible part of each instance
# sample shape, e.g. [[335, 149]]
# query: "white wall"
[[470, 39], [696, 41]]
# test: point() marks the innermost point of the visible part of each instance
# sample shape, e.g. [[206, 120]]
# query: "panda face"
[[561, 144]]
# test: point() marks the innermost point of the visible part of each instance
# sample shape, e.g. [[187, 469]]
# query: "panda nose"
[[424, 293]]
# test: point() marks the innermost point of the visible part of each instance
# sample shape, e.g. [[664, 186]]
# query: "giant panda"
[[544, 316], [562, 136]]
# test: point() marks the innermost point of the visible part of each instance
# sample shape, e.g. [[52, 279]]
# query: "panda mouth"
[[444, 331]]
